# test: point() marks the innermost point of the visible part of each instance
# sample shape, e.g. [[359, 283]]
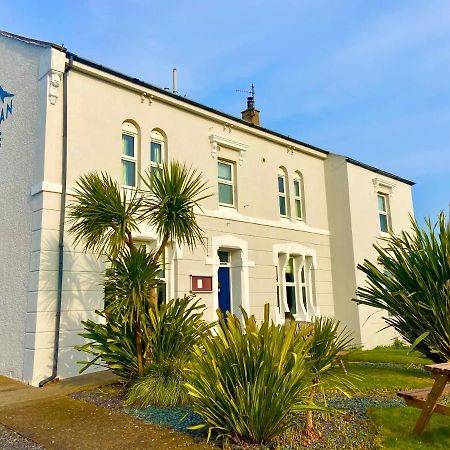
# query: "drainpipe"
[[62, 219]]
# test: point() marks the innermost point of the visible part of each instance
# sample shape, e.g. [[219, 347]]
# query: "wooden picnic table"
[[427, 399]]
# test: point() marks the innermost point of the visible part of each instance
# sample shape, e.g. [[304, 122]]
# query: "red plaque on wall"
[[201, 283]]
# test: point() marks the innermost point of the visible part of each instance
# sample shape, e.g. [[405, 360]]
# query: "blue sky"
[[366, 78]]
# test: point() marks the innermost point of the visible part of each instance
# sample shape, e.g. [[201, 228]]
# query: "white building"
[[287, 224]]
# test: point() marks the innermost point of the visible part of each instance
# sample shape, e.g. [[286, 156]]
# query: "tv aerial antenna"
[[251, 91]]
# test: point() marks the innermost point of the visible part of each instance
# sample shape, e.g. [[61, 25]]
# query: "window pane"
[[226, 194], [298, 208], [224, 257], [128, 173], [290, 297], [283, 211], [384, 223], [304, 298], [224, 171], [381, 203], [155, 152], [128, 145], [289, 276], [297, 188], [280, 184], [161, 294]]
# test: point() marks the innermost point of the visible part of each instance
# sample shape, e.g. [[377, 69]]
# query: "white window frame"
[[303, 256], [227, 182], [299, 198], [386, 213], [282, 175], [129, 129], [158, 138]]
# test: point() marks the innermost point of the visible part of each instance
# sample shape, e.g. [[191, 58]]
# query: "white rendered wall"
[[354, 228], [21, 144]]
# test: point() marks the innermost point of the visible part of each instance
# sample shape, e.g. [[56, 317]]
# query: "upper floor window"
[[157, 150], [298, 196], [129, 154], [282, 193], [384, 212], [226, 183]]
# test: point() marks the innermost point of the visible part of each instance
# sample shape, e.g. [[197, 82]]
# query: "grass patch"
[[390, 355], [372, 377], [396, 425]]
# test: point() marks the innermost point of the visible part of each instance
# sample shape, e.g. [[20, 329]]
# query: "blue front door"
[[224, 289]]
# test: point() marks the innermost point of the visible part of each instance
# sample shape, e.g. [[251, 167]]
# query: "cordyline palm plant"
[[128, 285], [328, 339], [248, 381], [412, 283], [174, 192], [103, 218]]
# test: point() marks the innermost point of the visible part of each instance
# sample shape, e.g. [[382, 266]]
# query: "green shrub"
[[176, 328], [163, 385], [247, 382], [113, 345], [412, 283]]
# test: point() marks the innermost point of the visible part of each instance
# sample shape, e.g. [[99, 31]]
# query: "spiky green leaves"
[[174, 191], [128, 284], [249, 380], [412, 283], [102, 216]]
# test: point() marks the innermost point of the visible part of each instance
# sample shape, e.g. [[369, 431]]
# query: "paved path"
[[50, 418]]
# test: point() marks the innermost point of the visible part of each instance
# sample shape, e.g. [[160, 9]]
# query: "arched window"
[[283, 203], [129, 154], [157, 150], [299, 197]]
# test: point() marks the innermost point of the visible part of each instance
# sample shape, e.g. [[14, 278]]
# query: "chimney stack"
[[251, 114]]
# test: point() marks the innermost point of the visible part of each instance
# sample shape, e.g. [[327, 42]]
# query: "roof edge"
[[190, 102], [379, 171], [32, 41], [194, 103]]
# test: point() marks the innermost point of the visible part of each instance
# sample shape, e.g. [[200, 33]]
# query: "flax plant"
[[411, 282], [250, 380]]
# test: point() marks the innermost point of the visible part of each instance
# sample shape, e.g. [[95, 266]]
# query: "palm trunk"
[[309, 425], [162, 247], [139, 349]]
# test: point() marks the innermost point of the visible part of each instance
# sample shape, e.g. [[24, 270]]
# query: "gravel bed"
[[180, 418], [10, 440]]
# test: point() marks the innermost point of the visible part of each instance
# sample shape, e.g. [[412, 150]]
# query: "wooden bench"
[[427, 399]]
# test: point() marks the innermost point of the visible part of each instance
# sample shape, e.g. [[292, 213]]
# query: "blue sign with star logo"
[[6, 104]]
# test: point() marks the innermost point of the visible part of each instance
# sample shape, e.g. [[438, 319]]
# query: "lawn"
[[395, 429], [391, 378], [389, 355], [380, 376]]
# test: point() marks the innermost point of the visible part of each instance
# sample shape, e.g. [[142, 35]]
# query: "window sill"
[[226, 205]]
